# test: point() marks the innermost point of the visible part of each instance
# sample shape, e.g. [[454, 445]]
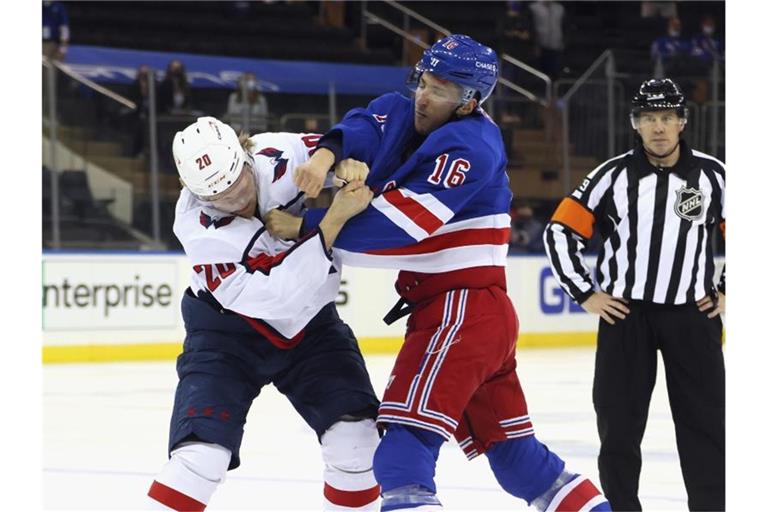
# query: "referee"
[[656, 208]]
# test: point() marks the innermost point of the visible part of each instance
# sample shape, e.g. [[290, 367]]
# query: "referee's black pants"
[[625, 373]]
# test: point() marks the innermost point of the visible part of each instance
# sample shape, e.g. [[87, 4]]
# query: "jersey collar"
[[682, 168]]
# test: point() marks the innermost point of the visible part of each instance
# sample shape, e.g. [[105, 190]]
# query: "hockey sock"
[[348, 448], [524, 467], [527, 469], [404, 465], [572, 492], [186, 483]]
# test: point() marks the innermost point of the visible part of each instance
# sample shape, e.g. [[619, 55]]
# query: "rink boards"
[[125, 306]]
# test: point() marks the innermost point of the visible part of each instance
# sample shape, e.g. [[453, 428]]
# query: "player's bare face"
[[240, 197], [660, 130], [436, 101]]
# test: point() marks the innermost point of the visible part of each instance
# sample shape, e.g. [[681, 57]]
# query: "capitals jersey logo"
[[281, 164], [207, 221], [689, 204]]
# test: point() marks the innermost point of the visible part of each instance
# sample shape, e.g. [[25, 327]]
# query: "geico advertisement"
[[542, 306], [110, 292]]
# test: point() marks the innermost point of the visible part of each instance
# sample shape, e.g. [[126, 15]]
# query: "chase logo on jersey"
[[689, 204], [281, 164], [207, 221]]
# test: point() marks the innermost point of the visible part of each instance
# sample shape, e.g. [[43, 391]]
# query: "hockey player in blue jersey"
[[440, 216]]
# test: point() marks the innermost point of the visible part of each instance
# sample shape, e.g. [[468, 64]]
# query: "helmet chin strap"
[[660, 157]]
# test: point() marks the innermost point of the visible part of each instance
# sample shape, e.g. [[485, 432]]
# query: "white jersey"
[[265, 279]]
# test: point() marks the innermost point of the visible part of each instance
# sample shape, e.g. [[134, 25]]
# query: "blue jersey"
[[55, 22], [707, 48], [443, 207], [670, 46]]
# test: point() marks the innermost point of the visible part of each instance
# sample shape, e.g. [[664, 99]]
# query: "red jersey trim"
[[463, 238], [272, 335], [411, 208]]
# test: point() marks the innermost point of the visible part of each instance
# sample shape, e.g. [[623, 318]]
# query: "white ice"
[[106, 427]]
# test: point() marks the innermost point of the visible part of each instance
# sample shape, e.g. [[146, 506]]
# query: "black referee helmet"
[[659, 94]]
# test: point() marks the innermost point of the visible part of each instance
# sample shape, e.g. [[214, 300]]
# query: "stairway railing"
[[404, 27]]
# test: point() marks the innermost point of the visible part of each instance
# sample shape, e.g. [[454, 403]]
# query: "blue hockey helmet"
[[463, 61]]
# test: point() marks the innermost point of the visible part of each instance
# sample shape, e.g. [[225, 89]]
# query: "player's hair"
[[245, 141]]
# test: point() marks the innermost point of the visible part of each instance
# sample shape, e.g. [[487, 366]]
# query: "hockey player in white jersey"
[[261, 310]]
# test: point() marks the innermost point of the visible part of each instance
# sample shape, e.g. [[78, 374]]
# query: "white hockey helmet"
[[208, 156]]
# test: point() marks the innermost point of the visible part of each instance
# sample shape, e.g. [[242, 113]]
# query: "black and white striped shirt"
[[656, 225]]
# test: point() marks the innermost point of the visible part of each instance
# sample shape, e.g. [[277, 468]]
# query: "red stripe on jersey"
[[264, 262], [272, 335], [422, 217], [578, 497], [174, 499], [486, 236], [351, 499]]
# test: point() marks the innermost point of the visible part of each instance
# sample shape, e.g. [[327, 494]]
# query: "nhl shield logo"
[[689, 204]]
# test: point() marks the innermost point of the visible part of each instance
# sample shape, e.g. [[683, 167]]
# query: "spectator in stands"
[[672, 45], [311, 125], [510, 121], [55, 30], [517, 22], [173, 93], [140, 96], [660, 9], [705, 46], [516, 36], [247, 101], [705, 49], [526, 233], [333, 13], [547, 22]]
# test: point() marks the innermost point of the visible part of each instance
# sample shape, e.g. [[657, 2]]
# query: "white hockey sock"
[[186, 483], [348, 448]]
